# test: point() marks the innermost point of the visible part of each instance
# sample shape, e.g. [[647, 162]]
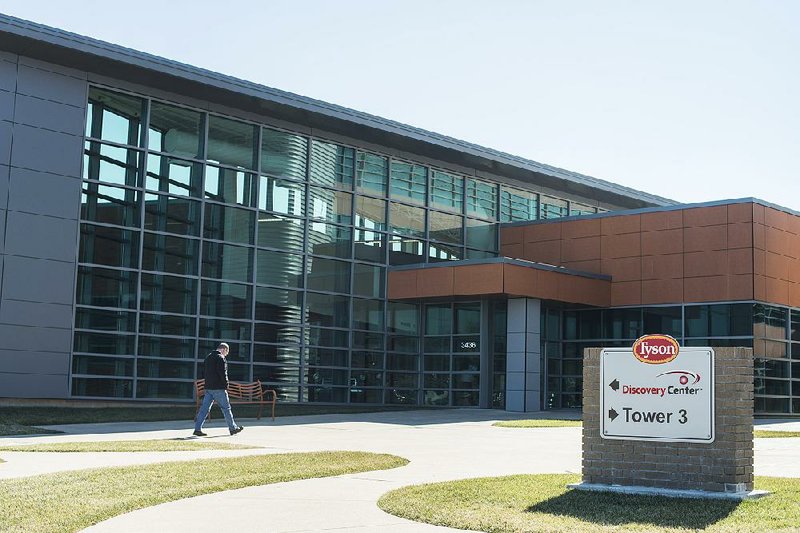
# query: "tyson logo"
[[655, 349]]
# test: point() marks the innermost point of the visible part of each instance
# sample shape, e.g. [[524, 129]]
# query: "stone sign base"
[[670, 493]]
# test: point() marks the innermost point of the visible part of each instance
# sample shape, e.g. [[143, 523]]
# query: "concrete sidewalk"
[[441, 445]]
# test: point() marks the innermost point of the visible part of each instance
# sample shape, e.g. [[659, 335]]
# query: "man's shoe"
[[199, 433], [236, 430]]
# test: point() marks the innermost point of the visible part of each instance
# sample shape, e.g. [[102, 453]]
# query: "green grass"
[[22, 420], [767, 434], [538, 423], [72, 501], [165, 445], [528, 503]]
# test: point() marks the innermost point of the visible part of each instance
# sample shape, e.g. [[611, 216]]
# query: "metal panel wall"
[[42, 108]]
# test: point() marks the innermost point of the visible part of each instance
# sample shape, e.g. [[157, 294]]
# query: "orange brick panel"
[[663, 220], [616, 246], [759, 287], [777, 266], [697, 264], [435, 282], [513, 250], [740, 212], [662, 242], [704, 238], [792, 246], [620, 225], [592, 266], [542, 232], [662, 291], [623, 269], [758, 213], [580, 290], [705, 216], [520, 281], [760, 236], [511, 235], [574, 229], [543, 252], [580, 249], [794, 270], [547, 287], [794, 294], [776, 240], [740, 261], [478, 279], [776, 219], [759, 262], [777, 291], [626, 293], [402, 284], [740, 235], [662, 266], [705, 289], [740, 287], [793, 224]]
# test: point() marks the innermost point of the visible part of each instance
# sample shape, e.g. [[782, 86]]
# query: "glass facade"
[[772, 331], [197, 227]]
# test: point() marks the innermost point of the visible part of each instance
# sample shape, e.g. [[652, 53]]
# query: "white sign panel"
[[647, 399]]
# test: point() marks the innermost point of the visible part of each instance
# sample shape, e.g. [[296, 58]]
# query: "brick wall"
[[678, 465]]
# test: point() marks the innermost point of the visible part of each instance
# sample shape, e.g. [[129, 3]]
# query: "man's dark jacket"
[[216, 371]]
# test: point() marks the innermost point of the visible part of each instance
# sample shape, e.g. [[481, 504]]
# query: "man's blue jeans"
[[221, 396]]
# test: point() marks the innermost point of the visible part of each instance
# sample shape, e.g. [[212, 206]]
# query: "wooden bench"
[[240, 393]]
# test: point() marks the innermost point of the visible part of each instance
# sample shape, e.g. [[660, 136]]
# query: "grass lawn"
[[22, 420], [767, 434], [528, 503], [161, 445], [538, 423], [72, 501]]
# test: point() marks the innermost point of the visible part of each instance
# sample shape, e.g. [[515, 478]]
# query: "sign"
[[657, 390]]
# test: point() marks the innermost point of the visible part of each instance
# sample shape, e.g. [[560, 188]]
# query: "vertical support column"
[[486, 356], [523, 355]]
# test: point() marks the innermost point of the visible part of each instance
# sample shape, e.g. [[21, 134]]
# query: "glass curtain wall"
[[197, 228], [773, 332]]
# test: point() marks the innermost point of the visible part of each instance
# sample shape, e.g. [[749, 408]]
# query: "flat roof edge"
[[501, 260]]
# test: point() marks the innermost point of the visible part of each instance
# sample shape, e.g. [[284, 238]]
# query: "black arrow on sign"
[[614, 385], [612, 414]]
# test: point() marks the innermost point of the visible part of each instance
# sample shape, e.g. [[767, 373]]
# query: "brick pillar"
[[726, 465]]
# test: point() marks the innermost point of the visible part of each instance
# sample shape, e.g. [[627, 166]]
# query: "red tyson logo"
[[655, 349]]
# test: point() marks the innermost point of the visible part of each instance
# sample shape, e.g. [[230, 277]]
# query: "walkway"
[[441, 445]]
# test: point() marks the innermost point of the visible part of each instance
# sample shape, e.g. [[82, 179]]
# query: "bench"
[[241, 393]]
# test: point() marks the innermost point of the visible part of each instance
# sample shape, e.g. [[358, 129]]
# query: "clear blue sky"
[[692, 100]]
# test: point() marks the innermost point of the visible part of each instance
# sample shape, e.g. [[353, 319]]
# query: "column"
[[523, 355]]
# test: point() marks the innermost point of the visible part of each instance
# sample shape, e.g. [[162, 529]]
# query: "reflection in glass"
[[112, 164], [105, 320], [272, 353], [103, 343], [109, 246], [482, 199], [368, 314], [552, 207], [328, 275], [371, 173], [328, 310], [328, 239], [215, 328], [438, 320], [153, 368], [278, 305], [103, 287], [332, 165], [481, 235], [102, 388], [370, 246], [516, 204], [169, 294], [166, 324], [225, 261], [110, 205], [331, 205], [229, 300], [408, 182], [281, 196], [279, 269], [230, 186], [335, 338], [231, 142], [370, 213], [576, 209], [281, 232], [407, 220], [403, 318], [368, 280], [283, 154], [278, 333], [170, 214], [174, 176], [165, 253], [114, 117], [102, 366], [444, 252], [230, 224], [175, 130], [447, 191], [406, 250], [167, 347], [445, 227]]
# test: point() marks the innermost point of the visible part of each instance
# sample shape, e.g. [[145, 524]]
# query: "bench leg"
[[260, 409], [273, 411]]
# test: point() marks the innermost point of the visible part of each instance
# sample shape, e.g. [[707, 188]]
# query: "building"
[[149, 209]]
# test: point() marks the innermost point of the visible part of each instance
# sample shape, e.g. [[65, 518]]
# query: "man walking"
[[216, 375]]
